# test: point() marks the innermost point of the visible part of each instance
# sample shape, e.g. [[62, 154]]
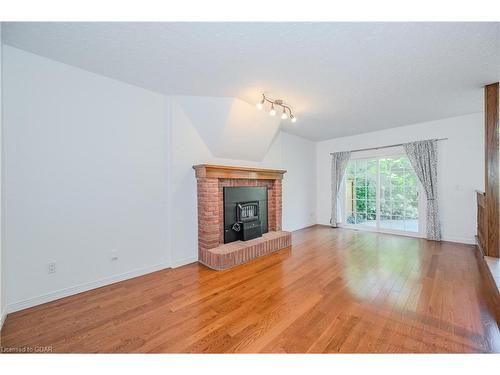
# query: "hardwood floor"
[[334, 291]]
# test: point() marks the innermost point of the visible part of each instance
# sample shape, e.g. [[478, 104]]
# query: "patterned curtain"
[[339, 164], [423, 158]]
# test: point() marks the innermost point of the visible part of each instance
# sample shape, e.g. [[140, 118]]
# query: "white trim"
[[168, 256], [2, 319], [183, 261], [52, 296], [462, 240], [382, 231]]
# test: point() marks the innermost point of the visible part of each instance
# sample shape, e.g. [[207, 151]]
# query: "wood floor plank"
[[333, 291]]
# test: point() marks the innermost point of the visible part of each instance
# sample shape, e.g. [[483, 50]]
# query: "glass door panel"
[[399, 195], [382, 193], [361, 192]]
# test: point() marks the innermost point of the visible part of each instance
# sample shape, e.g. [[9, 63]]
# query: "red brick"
[[211, 221]]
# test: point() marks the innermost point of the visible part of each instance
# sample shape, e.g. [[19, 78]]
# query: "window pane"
[[360, 218], [371, 167], [350, 218], [360, 192], [384, 165], [361, 206], [405, 162], [385, 192], [412, 194], [385, 208], [397, 191], [371, 206], [385, 221], [411, 225], [360, 180], [398, 207], [397, 165], [351, 166], [372, 190], [360, 167], [398, 194], [350, 193], [397, 222], [411, 210], [371, 220]]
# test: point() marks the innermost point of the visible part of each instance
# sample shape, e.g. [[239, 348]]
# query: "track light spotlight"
[[277, 102], [260, 105], [272, 112]]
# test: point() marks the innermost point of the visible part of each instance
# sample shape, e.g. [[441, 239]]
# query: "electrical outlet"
[[113, 255], [51, 267]]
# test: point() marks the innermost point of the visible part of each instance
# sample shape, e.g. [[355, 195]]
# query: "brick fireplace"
[[211, 180]]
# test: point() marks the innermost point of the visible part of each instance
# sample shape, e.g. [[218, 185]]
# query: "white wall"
[[85, 174], [299, 184], [2, 263], [188, 148], [93, 165], [460, 170]]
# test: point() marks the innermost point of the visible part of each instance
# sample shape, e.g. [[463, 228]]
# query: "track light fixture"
[[287, 110]]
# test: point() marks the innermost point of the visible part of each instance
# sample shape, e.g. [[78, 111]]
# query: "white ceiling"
[[230, 127], [340, 78]]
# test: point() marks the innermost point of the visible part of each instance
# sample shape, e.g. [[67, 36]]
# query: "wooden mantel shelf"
[[226, 171]]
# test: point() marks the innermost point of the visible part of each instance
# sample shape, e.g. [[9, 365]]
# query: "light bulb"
[[272, 112], [284, 116], [259, 106], [294, 119]]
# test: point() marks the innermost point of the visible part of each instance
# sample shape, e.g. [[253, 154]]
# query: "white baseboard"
[[464, 240], [183, 261], [299, 227], [52, 296], [2, 318]]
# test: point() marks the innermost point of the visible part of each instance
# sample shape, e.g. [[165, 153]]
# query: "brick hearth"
[[211, 180]]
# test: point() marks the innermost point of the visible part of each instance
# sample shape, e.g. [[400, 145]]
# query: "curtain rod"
[[396, 145]]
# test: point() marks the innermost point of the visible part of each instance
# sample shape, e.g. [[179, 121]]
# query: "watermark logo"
[[26, 349]]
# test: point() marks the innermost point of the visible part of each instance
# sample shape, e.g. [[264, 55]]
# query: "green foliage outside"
[[398, 190]]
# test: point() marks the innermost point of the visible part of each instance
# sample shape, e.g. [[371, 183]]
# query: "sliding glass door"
[[382, 193]]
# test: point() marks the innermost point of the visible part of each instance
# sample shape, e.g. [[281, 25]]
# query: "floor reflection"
[[384, 272]]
